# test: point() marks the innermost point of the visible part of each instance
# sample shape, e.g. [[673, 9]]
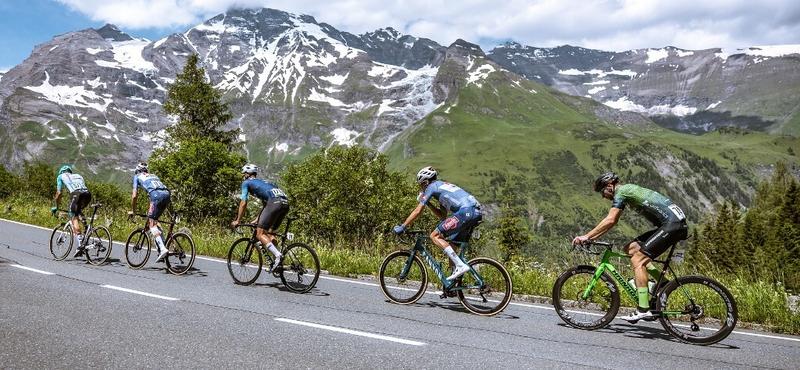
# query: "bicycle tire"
[[98, 247], [569, 309], [140, 248], [391, 267], [687, 286], [180, 246], [296, 264], [493, 282], [59, 232], [240, 258]]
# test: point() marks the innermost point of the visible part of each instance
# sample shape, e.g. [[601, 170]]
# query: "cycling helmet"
[[427, 174], [603, 180], [65, 168], [141, 167], [250, 168]]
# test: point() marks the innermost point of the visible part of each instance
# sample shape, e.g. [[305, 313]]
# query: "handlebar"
[[143, 215], [587, 247]]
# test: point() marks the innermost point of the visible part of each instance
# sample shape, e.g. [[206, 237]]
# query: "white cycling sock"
[[274, 250], [80, 239], [157, 236], [453, 256]]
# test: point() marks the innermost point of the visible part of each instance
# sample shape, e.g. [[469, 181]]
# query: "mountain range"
[[538, 120]]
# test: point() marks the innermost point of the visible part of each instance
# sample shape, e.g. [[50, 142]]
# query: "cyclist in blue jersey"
[[667, 218], [159, 201], [465, 214], [79, 198], [275, 207]]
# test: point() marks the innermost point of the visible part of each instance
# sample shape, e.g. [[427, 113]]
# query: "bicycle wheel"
[[98, 247], [244, 261], [61, 240], [137, 249], [697, 310], [403, 281], [180, 257], [300, 268], [486, 289], [590, 313]]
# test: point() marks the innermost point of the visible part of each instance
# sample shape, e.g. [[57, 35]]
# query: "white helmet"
[[141, 167], [250, 168], [427, 173]]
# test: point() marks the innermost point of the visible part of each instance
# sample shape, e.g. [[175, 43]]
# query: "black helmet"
[[605, 179]]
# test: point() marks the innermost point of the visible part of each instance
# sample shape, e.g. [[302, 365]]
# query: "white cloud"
[[609, 25]]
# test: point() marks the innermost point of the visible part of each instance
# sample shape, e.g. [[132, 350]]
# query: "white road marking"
[[32, 269], [140, 293], [352, 332], [427, 292]]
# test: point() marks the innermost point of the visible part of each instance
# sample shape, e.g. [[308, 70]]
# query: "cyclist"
[[274, 210], [670, 228], [465, 209], [79, 199], [159, 201]]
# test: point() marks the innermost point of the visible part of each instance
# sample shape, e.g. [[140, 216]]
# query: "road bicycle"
[[299, 269], [484, 290], [180, 245], [694, 309], [96, 241]]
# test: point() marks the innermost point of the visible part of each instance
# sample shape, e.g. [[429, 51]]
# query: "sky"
[[599, 24]]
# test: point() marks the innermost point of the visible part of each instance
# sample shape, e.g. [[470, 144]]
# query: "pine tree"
[[199, 107]]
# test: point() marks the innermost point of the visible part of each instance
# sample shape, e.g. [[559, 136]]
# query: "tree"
[[199, 107], [197, 162], [347, 193]]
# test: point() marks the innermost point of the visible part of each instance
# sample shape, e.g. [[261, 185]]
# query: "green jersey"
[[655, 207]]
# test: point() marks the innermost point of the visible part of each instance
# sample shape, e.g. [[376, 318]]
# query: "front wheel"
[[61, 240], [584, 302], [180, 257], [697, 310], [486, 288], [300, 268], [245, 261], [137, 249], [403, 277], [98, 247]]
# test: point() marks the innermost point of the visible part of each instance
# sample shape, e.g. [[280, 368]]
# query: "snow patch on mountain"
[[654, 55], [598, 73], [343, 136], [128, 55], [596, 90], [335, 79], [75, 96], [624, 104], [713, 105], [480, 74], [684, 53]]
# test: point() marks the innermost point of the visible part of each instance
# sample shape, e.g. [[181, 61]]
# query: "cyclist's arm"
[[59, 184], [606, 224], [242, 208], [133, 200], [414, 214]]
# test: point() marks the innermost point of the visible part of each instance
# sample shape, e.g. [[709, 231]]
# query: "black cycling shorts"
[[273, 214], [79, 199], [657, 241]]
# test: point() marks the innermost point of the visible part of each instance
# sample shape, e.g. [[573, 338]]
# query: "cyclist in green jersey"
[[79, 199], [668, 219]]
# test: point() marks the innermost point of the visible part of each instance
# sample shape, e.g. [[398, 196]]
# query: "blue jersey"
[[148, 182], [261, 189], [72, 181], [449, 196]]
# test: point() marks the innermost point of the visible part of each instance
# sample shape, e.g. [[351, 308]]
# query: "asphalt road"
[[69, 314]]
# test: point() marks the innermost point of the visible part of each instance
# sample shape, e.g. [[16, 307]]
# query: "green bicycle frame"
[[419, 247], [605, 265]]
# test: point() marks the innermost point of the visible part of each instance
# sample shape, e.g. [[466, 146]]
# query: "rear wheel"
[[137, 249], [486, 289], [61, 240], [98, 247], [697, 310], [245, 261], [581, 309], [403, 278], [180, 257], [300, 268]]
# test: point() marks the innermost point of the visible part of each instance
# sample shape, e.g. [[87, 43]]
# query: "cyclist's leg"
[[158, 203], [74, 212], [269, 220]]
